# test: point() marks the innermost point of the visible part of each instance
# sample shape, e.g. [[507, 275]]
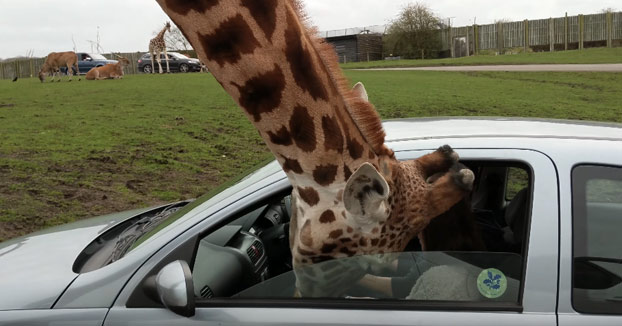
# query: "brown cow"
[[55, 60], [109, 71]]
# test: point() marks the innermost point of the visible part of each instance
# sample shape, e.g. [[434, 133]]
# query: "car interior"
[[252, 251]]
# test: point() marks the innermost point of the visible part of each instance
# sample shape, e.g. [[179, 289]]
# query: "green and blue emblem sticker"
[[492, 283]]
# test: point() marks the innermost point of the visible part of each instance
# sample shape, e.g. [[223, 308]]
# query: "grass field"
[[586, 56], [74, 150]]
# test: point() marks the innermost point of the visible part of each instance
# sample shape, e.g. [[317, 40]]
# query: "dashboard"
[[247, 251]]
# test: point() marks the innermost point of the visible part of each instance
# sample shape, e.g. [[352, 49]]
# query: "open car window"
[[475, 255], [421, 276]]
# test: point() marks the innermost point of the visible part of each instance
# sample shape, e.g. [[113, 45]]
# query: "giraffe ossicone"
[[350, 195]]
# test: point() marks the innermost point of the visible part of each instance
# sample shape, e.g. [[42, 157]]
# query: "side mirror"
[[174, 288]]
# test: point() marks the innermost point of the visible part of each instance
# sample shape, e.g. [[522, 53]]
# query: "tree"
[[414, 33]]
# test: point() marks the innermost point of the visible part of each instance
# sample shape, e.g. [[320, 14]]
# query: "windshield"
[[96, 56], [178, 55], [233, 186]]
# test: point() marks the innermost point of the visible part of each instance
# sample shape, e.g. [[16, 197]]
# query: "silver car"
[[547, 202]]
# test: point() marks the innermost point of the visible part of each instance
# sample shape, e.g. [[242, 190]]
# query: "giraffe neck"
[[286, 83], [160, 35]]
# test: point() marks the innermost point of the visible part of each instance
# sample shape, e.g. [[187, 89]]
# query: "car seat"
[[516, 216]]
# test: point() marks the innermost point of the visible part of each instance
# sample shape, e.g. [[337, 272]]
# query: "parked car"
[[547, 197], [177, 62], [87, 61]]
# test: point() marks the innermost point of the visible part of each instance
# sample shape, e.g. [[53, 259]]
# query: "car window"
[[597, 225], [481, 263], [517, 180]]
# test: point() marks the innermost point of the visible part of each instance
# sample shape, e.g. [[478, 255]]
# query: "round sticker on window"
[[492, 283]]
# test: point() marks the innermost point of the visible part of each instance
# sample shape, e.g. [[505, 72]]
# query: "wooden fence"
[[552, 34]]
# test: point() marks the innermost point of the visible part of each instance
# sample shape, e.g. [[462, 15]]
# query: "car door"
[[85, 63], [591, 265], [533, 301], [172, 63]]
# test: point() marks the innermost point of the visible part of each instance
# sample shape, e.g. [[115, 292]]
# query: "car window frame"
[[540, 308], [395, 304]]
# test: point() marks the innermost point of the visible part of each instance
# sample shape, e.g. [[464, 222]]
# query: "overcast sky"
[[44, 26]]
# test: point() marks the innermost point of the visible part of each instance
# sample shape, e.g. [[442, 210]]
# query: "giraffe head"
[[382, 205], [167, 27]]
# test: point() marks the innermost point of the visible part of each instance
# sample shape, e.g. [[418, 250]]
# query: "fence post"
[[451, 43], [566, 33], [476, 39], [526, 35], [609, 24], [1, 70], [551, 34], [581, 29], [468, 40], [500, 37]]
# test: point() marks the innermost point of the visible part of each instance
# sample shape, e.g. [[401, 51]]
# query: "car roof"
[[467, 127]]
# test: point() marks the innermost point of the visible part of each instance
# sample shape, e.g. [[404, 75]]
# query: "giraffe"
[[157, 46], [350, 195]]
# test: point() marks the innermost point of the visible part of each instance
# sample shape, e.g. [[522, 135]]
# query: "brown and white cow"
[[109, 71], [55, 60]]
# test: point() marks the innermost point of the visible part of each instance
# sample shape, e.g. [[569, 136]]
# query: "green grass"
[[74, 150], [586, 56]]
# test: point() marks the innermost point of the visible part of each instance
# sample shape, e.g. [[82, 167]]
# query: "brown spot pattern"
[[328, 248], [336, 234], [300, 61], [281, 137], [182, 7], [229, 41], [264, 13], [347, 251], [310, 196], [325, 174], [355, 148], [263, 93], [347, 173], [292, 165], [333, 137], [327, 217], [302, 129]]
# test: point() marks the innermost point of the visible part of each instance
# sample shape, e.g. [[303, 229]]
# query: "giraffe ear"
[[360, 91], [365, 196]]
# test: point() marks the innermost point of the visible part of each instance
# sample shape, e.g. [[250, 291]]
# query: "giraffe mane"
[[363, 113]]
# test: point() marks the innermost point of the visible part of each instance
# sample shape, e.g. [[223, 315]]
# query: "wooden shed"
[[357, 47]]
